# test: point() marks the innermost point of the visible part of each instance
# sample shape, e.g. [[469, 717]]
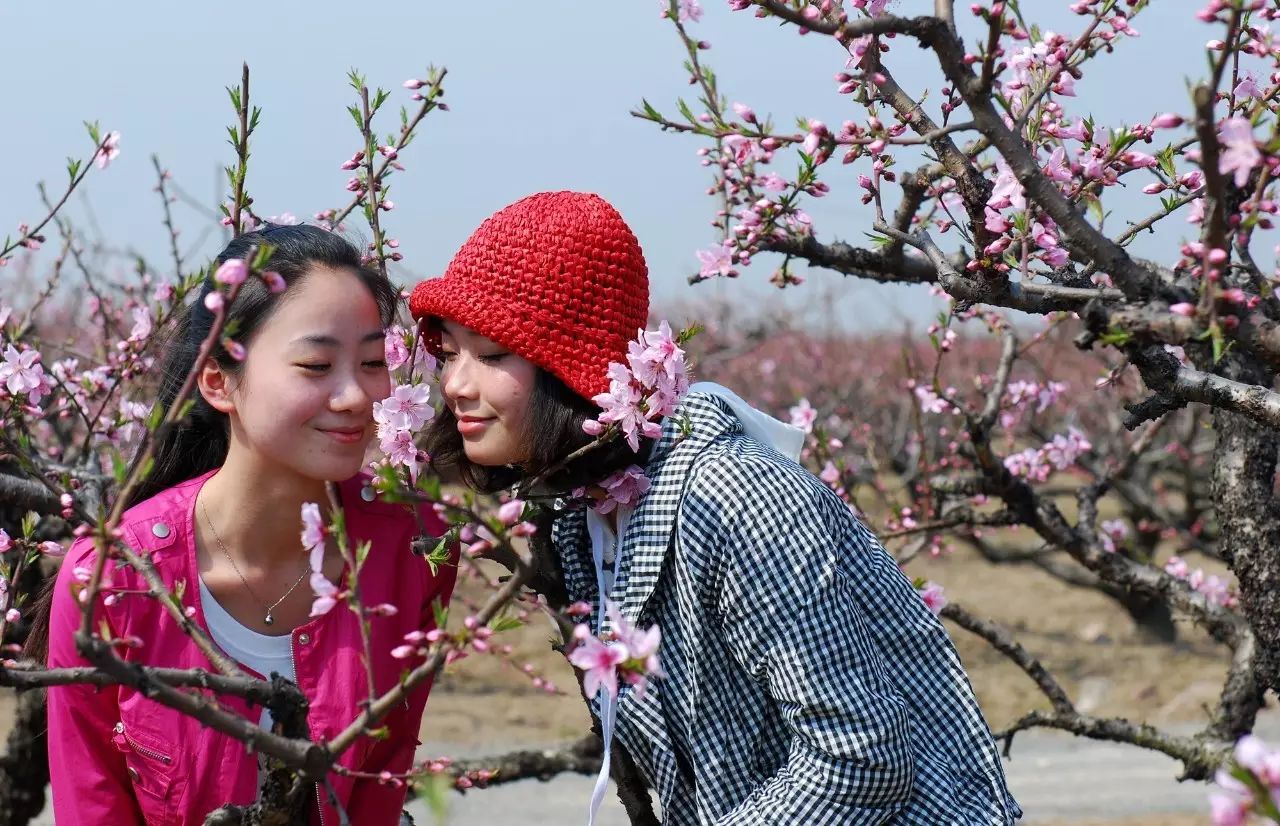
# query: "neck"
[[257, 513]]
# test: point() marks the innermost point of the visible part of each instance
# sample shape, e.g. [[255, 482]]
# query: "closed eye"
[[314, 368], [379, 363]]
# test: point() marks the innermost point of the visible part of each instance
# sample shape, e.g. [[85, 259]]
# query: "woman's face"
[[487, 388], [303, 400]]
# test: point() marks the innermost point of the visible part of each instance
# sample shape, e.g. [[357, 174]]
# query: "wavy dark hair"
[[553, 430], [200, 441]]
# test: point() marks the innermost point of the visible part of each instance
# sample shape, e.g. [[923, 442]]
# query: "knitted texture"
[[557, 277]]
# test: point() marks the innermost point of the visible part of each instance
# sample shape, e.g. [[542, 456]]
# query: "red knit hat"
[[557, 277]]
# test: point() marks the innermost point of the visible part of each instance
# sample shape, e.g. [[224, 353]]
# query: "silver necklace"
[[268, 619]]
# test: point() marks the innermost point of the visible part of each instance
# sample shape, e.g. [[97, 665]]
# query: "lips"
[[344, 435], [473, 425]]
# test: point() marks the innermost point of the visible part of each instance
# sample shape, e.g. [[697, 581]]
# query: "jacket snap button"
[[367, 493], [304, 638], [133, 774], [160, 529]]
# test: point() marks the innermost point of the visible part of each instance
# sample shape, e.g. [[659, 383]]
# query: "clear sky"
[[539, 93]]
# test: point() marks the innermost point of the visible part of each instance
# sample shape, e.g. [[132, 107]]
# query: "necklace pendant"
[[269, 620]]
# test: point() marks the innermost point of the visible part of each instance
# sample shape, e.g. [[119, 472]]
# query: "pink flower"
[[1058, 169], [510, 512], [234, 349], [414, 83], [1183, 308], [5, 542], [830, 473], [1196, 214], [657, 362], [687, 10], [312, 528], [141, 324], [1247, 87], [21, 372], [623, 488], [599, 660], [109, 151], [621, 405], [803, 415], [931, 402], [326, 594], [715, 261], [51, 548], [1240, 154], [933, 597], [399, 448], [395, 350], [274, 281], [233, 271], [407, 408]]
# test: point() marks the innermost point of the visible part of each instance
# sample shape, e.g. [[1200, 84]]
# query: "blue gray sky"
[[539, 95]]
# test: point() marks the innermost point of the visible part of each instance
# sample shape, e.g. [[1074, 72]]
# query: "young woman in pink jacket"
[[219, 516]]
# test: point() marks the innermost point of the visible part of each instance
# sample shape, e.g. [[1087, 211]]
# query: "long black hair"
[[200, 440], [553, 431], [199, 443]]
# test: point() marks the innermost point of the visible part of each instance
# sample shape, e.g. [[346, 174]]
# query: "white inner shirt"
[[261, 652], [605, 544]]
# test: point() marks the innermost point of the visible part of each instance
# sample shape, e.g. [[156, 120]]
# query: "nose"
[[457, 379], [350, 396]]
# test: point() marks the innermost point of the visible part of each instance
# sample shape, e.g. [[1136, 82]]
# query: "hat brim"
[[436, 300]]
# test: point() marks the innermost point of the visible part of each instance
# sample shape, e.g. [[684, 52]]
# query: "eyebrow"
[[331, 341]]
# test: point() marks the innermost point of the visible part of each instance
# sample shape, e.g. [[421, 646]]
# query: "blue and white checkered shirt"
[[807, 683]]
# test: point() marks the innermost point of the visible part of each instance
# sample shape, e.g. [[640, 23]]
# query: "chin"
[[487, 456]]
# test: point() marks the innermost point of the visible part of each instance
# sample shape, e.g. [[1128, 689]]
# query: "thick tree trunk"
[[24, 768], [1244, 468]]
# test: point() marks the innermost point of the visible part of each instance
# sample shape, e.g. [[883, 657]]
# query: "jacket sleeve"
[[793, 622], [87, 772], [372, 800]]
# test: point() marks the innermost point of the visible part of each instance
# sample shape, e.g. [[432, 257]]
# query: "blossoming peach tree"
[[78, 435], [1013, 214]]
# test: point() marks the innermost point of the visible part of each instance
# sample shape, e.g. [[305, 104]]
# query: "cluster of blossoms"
[[313, 535], [1038, 463], [1249, 786], [641, 393], [625, 653], [403, 414], [1215, 589]]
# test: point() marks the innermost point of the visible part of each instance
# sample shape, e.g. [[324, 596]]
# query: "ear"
[[216, 386]]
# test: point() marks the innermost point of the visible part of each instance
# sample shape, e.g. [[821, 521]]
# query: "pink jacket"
[[116, 756]]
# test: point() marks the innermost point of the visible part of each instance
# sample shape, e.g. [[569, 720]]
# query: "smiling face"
[[487, 388], [302, 402]]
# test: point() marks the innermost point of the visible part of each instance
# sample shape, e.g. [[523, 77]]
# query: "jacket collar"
[[700, 420]]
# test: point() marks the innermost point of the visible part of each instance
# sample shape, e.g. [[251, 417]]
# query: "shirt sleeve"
[[793, 621], [88, 775]]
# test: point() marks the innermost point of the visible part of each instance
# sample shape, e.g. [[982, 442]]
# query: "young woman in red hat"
[[805, 680]]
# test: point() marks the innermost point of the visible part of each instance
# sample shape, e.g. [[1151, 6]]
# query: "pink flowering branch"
[[76, 170], [429, 91]]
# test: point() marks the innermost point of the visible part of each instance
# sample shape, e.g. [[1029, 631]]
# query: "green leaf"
[[154, 416], [357, 117], [435, 790], [362, 553], [440, 612], [687, 334], [118, 467], [29, 521], [1116, 337]]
